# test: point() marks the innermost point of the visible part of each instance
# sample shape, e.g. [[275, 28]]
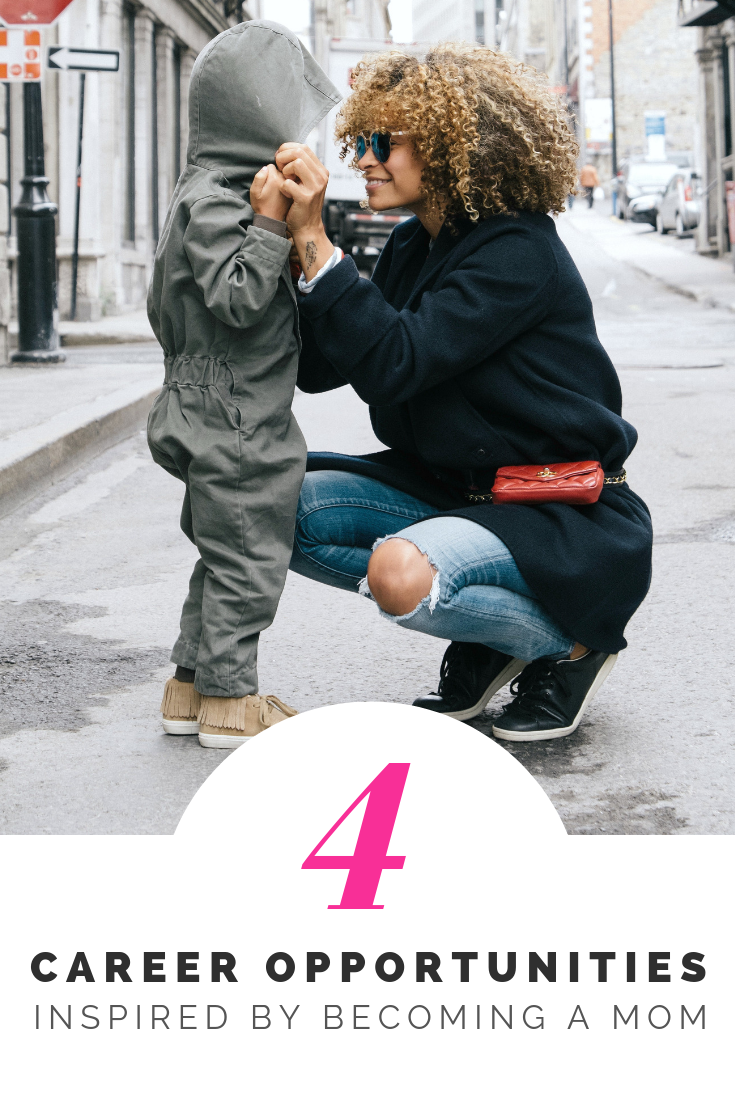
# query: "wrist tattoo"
[[310, 256]]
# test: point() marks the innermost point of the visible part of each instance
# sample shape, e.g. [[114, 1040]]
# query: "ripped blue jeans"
[[478, 594]]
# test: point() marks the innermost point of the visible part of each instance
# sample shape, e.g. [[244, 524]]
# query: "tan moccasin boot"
[[227, 721], [180, 708]]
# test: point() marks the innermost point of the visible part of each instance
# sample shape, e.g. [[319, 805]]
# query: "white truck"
[[356, 230]]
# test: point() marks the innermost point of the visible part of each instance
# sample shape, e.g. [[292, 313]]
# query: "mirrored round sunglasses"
[[379, 143]]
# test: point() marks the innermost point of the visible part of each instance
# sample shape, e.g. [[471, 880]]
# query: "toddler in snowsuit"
[[223, 307]]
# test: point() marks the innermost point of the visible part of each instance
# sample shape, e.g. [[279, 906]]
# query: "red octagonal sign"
[[31, 13]]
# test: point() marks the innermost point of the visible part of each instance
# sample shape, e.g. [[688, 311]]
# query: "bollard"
[[38, 339]]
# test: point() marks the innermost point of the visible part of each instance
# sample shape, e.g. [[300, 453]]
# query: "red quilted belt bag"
[[568, 483]]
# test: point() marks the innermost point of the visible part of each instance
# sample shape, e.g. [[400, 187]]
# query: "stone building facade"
[[458, 20], [135, 137], [135, 134], [655, 70], [711, 30]]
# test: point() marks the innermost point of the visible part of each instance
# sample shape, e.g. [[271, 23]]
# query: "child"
[[223, 307]]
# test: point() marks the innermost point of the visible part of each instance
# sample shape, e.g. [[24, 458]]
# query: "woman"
[[475, 346]]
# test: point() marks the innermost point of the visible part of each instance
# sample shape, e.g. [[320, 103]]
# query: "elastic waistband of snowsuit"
[[197, 370]]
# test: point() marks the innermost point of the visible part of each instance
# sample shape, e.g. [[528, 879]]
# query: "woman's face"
[[397, 182]]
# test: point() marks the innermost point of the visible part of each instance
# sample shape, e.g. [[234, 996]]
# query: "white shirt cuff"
[[333, 261]]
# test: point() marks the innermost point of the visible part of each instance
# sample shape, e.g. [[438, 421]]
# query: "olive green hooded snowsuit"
[[223, 307]]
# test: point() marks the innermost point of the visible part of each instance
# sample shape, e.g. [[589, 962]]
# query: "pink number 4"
[[371, 850]]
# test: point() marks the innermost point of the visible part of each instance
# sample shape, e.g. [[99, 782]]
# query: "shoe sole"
[[559, 732], [511, 670], [181, 726], [222, 742]]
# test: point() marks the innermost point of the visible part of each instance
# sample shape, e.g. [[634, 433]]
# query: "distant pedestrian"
[[589, 180]]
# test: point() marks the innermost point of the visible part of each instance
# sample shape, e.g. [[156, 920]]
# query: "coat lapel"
[[405, 263], [444, 245]]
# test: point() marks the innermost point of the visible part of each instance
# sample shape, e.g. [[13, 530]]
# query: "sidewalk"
[[673, 262], [118, 329], [53, 419]]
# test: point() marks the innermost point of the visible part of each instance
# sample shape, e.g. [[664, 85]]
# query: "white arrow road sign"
[[80, 60]]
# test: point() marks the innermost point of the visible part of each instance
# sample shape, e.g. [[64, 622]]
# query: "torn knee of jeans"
[[364, 589], [430, 599]]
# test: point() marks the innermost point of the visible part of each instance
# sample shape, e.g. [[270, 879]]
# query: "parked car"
[[679, 206], [644, 208], [643, 178]]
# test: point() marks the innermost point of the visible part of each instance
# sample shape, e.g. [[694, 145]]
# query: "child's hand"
[[266, 196]]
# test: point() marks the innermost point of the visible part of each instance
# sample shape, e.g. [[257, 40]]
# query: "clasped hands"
[[292, 191]]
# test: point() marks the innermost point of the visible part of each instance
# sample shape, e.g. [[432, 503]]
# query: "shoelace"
[[451, 683], [534, 682], [267, 706]]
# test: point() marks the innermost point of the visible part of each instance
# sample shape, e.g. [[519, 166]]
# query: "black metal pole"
[[75, 252], [38, 340], [612, 92]]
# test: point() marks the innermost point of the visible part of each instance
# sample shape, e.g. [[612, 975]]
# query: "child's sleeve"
[[236, 265]]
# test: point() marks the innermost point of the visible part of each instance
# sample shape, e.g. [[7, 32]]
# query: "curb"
[[80, 340], [39, 456], [702, 295], [77, 334], [713, 286]]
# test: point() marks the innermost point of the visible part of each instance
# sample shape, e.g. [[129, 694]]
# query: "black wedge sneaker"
[[470, 675], [551, 696]]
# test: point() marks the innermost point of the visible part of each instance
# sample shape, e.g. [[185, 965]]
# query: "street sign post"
[[77, 203], [38, 339], [83, 61]]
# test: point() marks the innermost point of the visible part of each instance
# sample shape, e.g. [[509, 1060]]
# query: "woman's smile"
[[372, 183]]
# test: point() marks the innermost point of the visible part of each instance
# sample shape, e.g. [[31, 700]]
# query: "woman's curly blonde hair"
[[493, 137]]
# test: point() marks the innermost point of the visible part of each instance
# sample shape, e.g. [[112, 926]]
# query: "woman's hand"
[[266, 196], [304, 184]]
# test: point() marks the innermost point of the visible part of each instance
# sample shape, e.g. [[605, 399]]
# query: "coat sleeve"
[[316, 374], [236, 265], [495, 293]]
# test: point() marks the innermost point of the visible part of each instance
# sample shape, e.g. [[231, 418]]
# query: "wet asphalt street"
[[93, 573]]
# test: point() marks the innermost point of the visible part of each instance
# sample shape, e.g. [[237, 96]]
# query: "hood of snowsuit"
[[253, 87]]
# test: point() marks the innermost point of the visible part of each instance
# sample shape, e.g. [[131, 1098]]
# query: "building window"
[[129, 92]]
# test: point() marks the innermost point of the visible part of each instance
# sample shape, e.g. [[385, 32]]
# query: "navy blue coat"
[[479, 353]]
